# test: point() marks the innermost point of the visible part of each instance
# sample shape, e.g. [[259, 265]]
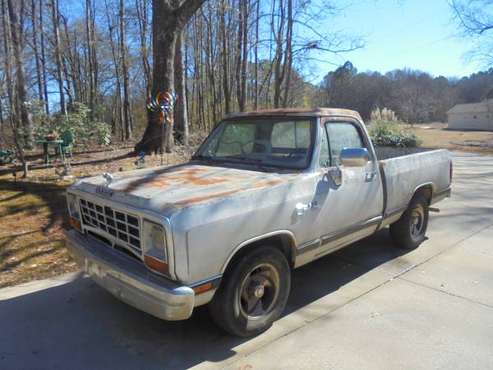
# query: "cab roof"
[[297, 112]]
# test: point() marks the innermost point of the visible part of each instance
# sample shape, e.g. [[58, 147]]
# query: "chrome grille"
[[122, 227]]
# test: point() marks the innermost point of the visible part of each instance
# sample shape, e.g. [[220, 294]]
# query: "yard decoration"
[[164, 104]]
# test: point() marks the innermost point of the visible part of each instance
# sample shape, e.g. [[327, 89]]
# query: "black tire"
[[262, 276], [410, 230]]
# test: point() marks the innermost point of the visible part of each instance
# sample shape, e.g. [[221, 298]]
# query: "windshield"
[[277, 142]]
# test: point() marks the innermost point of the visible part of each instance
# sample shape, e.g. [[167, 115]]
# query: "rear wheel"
[[254, 292], [410, 230]]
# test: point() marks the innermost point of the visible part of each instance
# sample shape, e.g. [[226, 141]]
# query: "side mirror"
[[354, 157]]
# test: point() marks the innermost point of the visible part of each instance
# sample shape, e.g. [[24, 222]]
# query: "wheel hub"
[[417, 221], [259, 291]]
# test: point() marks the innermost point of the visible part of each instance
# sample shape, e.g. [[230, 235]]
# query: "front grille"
[[122, 227]]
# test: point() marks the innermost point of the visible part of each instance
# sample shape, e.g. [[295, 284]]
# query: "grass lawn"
[[436, 135]]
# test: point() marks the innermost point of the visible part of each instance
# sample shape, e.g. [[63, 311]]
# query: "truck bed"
[[387, 152], [406, 169]]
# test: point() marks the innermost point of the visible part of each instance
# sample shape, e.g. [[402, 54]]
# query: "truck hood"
[[177, 187]]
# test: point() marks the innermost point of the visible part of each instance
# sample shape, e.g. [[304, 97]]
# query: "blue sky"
[[415, 34]]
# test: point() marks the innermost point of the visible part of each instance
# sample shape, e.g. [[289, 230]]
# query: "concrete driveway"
[[367, 307]]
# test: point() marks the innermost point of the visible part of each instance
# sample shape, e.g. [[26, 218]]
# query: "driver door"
[[352, 209]]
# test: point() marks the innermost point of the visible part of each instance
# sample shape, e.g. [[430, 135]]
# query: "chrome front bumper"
[[129, 280]]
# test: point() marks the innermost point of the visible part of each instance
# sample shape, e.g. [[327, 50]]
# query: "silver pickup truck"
[[265, 193]]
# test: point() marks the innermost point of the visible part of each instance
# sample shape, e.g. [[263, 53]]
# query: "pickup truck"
[[266, 193]]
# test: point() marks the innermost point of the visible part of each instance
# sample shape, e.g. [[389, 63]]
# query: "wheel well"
[[426, 191], [283, 242]]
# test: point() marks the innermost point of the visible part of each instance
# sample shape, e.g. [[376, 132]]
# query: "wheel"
[[410, 230], [253, 293]]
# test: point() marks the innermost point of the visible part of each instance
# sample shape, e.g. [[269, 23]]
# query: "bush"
[[387, 133], [76, 121]]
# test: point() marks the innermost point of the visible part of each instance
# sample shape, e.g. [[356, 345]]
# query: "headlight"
[[73, 207], [155, 255]]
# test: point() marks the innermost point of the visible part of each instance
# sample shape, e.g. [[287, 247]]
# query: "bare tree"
[[58, 55], [475, 18], [242, 54], [16, 31], [224, 54], [7, 11], [118, 115], [43, 58], [180, 114], [142, 11], [39, 76], [127, 114], [168, 19]]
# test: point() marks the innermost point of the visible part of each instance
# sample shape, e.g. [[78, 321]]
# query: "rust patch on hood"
[[175, 177], [205, 198], [192, 184], [261, 184]]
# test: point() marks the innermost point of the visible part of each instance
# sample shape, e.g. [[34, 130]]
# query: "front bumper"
[[129, 280]]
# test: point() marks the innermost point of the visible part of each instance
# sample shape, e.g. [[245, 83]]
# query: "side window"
[[324, 150], [342, 135]]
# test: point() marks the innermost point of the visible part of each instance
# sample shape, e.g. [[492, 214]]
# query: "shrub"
[[76, 121], [386, 133], [384, 114]]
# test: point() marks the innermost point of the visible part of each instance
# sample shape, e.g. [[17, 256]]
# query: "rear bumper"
[[441, 195], [129, 280]]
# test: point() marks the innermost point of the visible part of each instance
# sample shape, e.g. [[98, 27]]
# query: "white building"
[[475, 116]]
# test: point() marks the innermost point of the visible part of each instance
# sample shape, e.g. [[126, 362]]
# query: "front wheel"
[[254, 292], [410, 230]]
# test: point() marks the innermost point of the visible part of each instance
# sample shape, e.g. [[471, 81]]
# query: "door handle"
[[370, 176], [301, 208], [335, 175]]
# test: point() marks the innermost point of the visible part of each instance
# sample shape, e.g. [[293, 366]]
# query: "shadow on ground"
[[50, 195], [80, 324]]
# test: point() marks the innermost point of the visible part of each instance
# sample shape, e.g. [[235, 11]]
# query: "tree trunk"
[[239, 52], [141, 9], [224, 37], [117, 109], [168, 20], [58, 55], [7, 39], [127, 114], [256, 75], [180, 114], [90, 59], [244, 62], [22, 99], [288, 58], [43, 58], [278, 71], [36, 51]]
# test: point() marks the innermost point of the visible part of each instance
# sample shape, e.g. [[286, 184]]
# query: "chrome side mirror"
[[354, 157]]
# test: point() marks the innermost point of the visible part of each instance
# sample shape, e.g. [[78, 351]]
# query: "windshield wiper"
[[241, 159], [207, 158]]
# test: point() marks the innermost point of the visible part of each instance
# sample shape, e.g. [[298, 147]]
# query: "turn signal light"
[[75, 224], [203, 288], [156, 265]]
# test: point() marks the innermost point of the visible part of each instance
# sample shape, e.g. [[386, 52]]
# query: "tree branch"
[[187, 9]]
